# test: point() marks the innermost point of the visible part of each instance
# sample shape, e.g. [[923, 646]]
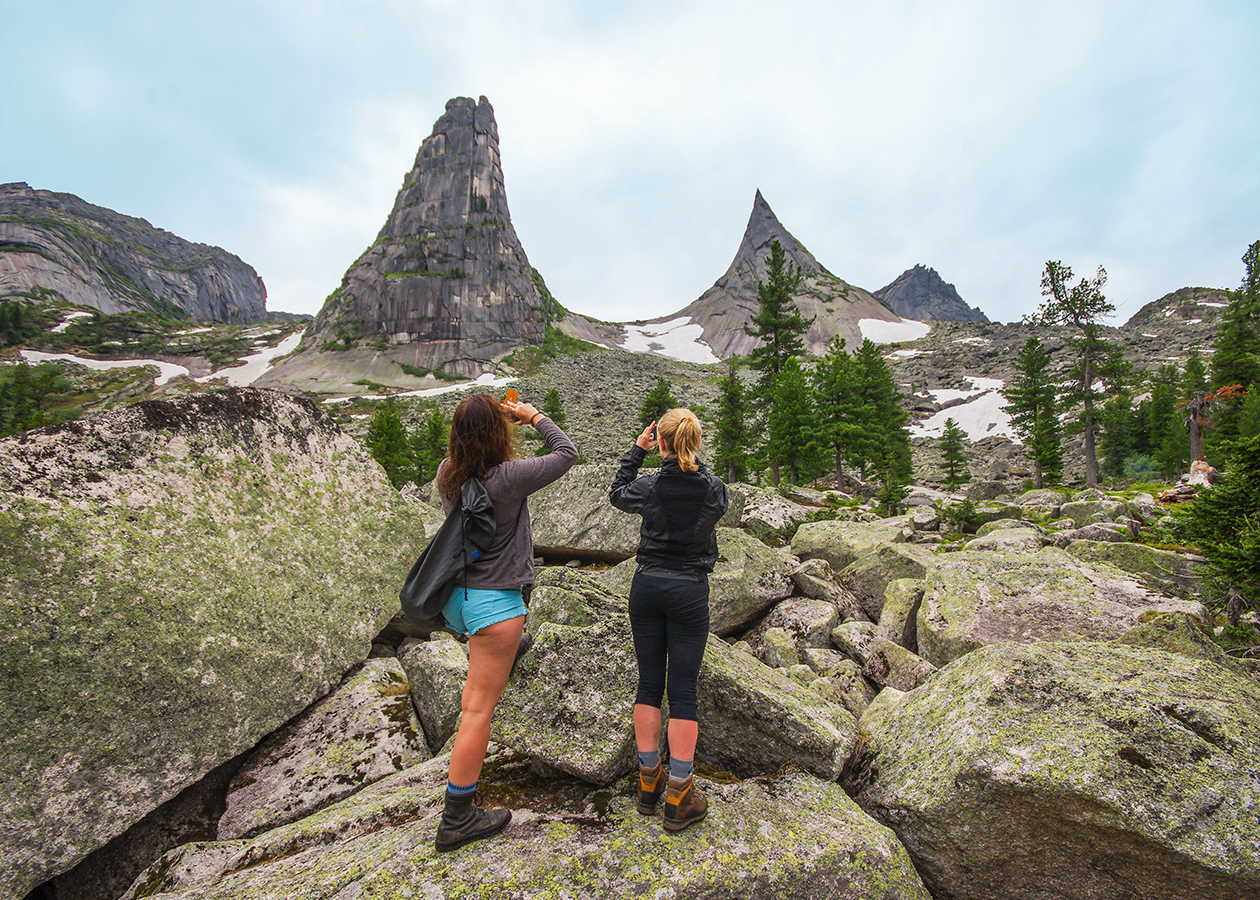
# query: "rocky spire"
[[920, 293], [724, 309], [446, 283]]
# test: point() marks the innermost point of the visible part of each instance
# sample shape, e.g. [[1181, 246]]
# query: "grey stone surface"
[[1071, 770], [177, 580], [869, 575], [920, 293], [363, 731], [816, 579], [436, 670], [892, 665], [855, 639], [843, 543]]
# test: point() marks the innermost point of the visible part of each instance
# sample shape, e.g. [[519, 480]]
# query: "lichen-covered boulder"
[[436, 670], [1178, 633], [1071, 770], [564, 596], [892, 665], [869, 575], [823, 660], [1042, 497], [177, 580], [999, 525], [361, 732], [569, 703], [1160, 570], [993, 512], [754, 719], [1096, 531], [842, 543], [1084, 512], [814, 578], [972, 599], [807, 622], [767, 509], [845, 684], [898, 620], [1011, 540], [572, 516], [566, 840], [776, 648], [855, 639]]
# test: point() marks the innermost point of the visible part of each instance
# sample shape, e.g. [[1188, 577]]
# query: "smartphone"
[[511, 396], [653, 432]]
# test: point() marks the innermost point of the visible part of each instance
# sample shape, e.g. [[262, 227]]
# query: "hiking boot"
[[683, 804], [651, 786], [464, 820]]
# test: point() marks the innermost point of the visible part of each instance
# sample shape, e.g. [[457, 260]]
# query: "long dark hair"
[[481, 438]]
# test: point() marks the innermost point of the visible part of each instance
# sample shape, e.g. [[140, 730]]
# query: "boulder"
[[1178, 633], [972, 599], [755, 719], [823, 660], [869, 576], [844, 684], [816, 579], [436, 670], [1033, 512], [776, 648], [925, 518], [361, 732], [993, 512], [1097, 532], [768, 510], [1084, 512], [855, 640], [842, 543], [572, 518], [568, 705], [177, 580], [566, 839], [807, 622], [1042, 497], [999, 525], [898, 619], [1012, 540], [892, 665], [1071, 770], [564, 596], [1159, 570]]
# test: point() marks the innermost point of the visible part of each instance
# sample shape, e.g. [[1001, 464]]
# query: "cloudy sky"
[[979, 138]]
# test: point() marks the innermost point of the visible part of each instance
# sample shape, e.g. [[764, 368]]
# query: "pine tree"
[[894, 489], [1079, 306], [790, 423], [730, 443], [1031, 402], [1237, 343], [953, 460], [884, 433], [658, 401], [1119, 425], [552, 408], [429, 443], [836, 395], [778, 324], [387, 441]]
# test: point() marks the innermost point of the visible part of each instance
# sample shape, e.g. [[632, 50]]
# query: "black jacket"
[[680, 511]]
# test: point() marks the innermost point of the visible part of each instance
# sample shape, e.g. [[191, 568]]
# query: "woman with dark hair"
[[487, 603], [669, 604]]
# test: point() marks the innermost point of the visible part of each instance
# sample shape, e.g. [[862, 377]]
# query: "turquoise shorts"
[[471, 609]]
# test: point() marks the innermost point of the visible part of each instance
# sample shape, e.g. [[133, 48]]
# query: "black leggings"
[[670, 621]]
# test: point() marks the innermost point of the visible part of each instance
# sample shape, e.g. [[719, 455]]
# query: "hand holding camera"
[[523, 413], [647, 440]]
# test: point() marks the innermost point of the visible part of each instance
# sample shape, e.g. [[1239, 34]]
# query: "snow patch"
[[1148, 334], [166, 371], [1193, 321], [680, 339], [881, 331], [70, 317], [485, 380], [979, 341], [910, 354], [1211, 303], [982, 416], [255, 365]]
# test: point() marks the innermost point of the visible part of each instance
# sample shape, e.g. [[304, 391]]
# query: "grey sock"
[[649, 758], [679, 769]]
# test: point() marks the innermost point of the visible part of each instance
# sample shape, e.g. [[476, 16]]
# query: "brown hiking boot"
[[683, 804], [463, 820], [651, 786]]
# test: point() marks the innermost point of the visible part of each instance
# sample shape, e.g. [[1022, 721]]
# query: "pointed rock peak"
[[920, 293], [764, 228]]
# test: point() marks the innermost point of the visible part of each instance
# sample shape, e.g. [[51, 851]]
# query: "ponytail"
[[681, 431]]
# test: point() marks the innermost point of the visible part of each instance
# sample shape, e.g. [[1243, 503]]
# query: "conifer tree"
[[387, 441], [790, 423], [730, 443], [839, 404], [1237, 344], [552, 408], [656, 403], [894, 488], [1079, 306], [429, 443], [884, 433], [778, 324], [952, 459], [1032, 403]]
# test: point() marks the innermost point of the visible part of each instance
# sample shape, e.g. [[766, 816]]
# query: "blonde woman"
[[669, 604]]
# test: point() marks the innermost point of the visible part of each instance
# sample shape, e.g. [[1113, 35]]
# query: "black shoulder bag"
[[463, 537]]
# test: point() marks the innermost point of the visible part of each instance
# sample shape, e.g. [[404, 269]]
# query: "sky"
[[979, 138]]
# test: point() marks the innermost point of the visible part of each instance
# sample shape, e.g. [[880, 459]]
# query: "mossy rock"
[[177, 580], [971, 599], [788, 836], [1071, 770], [1160, 570], [843, 543], [869, 576]]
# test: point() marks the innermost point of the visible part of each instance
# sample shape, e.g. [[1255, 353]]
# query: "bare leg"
[[647, 727], [491, 652], [682, 737]]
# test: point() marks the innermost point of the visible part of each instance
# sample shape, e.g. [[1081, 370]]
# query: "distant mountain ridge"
[[59, 246], [920, 293]]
